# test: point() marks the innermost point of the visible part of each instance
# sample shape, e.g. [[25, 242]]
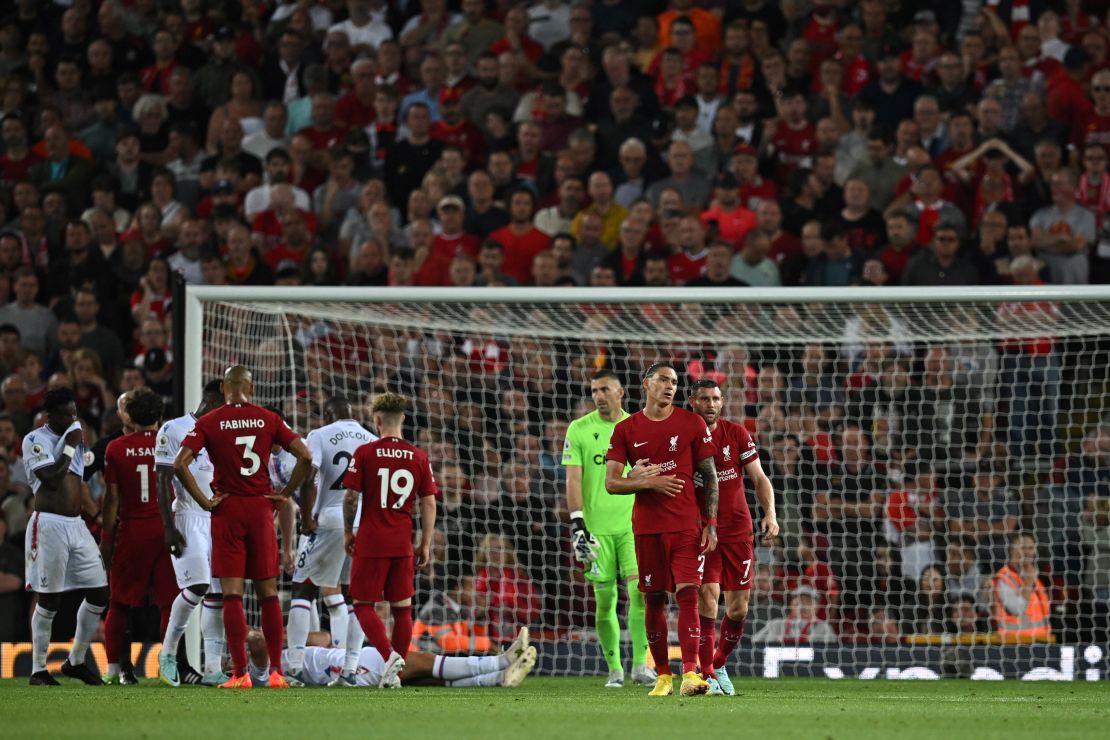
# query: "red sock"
[[115, 631], [402, 629], [706, 644], [689, 628], [273, 629], [235, 626], [731, 632], [373, 628], [655, 620]]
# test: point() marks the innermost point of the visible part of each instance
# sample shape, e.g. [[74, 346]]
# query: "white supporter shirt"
[[258, 200], [165, 452], [372, 34], [43, 447], [332, 447]]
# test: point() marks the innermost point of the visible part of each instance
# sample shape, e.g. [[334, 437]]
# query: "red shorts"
[[141, 565], [243, 540], [375, 579], [667, 559], [730, 565]]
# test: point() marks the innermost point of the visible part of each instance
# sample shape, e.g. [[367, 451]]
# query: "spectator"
[[985, 516], [37, 325], [13, 606], [693, 187], [964, 617], [101, 340], [942, 264], [1021, 605], [1064, 232], [800, 625], [752, 265], [506, 597]]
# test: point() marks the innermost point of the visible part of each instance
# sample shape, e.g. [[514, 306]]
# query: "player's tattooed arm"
[[350, 508], [708, 471]]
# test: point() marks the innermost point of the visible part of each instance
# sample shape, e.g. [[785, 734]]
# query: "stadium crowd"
[[616, 142]]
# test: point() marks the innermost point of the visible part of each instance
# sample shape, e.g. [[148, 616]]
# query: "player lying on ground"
[[322, 663]]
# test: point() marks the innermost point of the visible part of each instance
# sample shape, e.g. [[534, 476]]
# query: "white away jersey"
[[332, 448], [165, 452], [322, 665], [41, 449]]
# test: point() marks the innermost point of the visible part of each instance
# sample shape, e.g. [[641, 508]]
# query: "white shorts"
[[194, 567], [322, 665], [61, 555], [320, 557]]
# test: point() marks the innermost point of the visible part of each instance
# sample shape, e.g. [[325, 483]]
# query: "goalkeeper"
[[601, 529]]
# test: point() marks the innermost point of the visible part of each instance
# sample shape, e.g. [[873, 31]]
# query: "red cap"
[[744, 148], [450, 95], [130, 234]]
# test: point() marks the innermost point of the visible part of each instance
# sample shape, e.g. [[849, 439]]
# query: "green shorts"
[[615, 553]]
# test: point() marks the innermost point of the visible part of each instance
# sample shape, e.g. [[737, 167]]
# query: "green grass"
[[565, 708]]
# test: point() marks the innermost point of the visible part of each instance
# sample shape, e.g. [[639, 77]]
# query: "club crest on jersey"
[[728, 452], [89, 458], [674, 444], [596, 435], [647, 579]]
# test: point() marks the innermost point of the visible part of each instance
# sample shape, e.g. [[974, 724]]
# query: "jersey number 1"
[[399, 483], [144, 482]]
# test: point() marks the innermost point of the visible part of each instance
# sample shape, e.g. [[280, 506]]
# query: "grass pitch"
[[565, 708]]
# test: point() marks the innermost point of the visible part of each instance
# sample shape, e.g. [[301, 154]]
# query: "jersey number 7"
[[399, 483]]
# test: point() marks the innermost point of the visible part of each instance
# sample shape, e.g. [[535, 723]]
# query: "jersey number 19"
[[399, 483]]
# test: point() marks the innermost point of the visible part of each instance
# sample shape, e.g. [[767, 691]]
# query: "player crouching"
[[322, 664]]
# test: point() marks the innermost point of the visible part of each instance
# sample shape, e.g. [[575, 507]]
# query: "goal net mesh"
[[907, 444]]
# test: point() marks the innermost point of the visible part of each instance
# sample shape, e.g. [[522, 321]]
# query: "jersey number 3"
[[399, 483], [253, 462]]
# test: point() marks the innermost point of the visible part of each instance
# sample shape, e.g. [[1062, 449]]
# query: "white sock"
[[296, 632], [452, 669], [484, 680], [313, 617], [113, 670], [354, 641], [180, 612], [212, 632], [88, 619], [337, 613], [42, 622]]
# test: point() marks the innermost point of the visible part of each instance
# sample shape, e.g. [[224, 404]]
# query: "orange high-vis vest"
[[459, 637], [1034, 622]]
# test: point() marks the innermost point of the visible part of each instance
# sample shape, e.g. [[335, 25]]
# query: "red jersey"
[[676, 444], [735, 449], [520, 250], [794, 147], [684, 266], [1094, 128], [466, 136], [129, 463], [350, 112], [239, 437], [387, 472], [733, 225]]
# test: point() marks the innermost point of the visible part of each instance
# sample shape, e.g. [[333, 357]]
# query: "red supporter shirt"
[[324, 140], [466, 136], [390, 474], [684, 266], [735, 449], [239, 437], [1093, 129], [732, 225], [129, 463], [677, 443], [794, 146], [352, 113], [520, 250]]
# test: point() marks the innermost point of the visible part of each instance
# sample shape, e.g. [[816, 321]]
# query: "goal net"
[[940, 460]]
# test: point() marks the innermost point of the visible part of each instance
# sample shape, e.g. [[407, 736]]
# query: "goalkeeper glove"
[[582, 542]]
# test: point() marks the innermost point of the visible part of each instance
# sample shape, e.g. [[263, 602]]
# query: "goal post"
[[912, 436]]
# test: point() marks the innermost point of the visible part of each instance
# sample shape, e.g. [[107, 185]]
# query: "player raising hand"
[[670, 541], [238, 437], [386, 475]]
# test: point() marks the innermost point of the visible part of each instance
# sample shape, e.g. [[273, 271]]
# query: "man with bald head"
[[239, 437], [693, 186]]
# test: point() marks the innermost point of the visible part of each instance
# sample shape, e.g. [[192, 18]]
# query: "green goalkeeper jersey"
[[586, 444]]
